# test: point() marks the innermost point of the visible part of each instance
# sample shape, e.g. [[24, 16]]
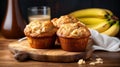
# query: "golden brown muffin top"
[[38, 28], [63, 20], [73, 30]]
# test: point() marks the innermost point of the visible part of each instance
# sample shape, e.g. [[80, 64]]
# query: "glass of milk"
[[41, 13]]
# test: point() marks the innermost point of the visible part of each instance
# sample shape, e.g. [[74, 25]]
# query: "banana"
[[101, 27], [113, 30], [109, 12], [90, 12], [89, 21], [98, 19]]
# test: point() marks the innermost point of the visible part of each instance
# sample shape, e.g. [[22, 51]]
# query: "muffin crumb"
[[81, 61], [92, 63], [97, 61]]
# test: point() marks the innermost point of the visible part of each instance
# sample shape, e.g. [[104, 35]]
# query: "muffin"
[[40, 34], [57, 22], [73, 36]]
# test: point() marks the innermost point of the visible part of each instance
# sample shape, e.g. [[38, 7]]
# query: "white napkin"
[[104, 42]]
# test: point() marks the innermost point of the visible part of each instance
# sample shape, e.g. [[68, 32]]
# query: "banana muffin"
[[73, 36], [40, 34], [63, 20]]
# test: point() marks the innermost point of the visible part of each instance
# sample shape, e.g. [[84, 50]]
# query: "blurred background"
[[62, 7]]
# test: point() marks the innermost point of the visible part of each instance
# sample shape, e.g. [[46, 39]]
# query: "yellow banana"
[[101, 27], [90, 12], [113, 30], [88, 21], [109, 12]]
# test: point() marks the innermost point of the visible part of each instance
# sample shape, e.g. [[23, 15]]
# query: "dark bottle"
[[13, 23]]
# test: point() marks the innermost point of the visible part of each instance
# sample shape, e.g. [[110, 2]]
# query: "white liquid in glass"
[[39, 17]]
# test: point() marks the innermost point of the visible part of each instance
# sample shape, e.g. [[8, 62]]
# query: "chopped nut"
[[99, 62], [99, 59], [92, 63], [81, 61]]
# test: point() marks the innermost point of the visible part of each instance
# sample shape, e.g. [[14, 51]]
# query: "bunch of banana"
[[98, 19], [92, 12]]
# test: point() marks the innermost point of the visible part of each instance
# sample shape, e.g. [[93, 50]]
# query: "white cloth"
[[104, 42]]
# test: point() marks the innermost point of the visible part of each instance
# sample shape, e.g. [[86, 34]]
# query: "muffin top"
[[38, 28], [73, 30], [63, 20]]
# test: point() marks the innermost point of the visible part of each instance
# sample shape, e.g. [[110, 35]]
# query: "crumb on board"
[[97, 61], [81, 61], [92, 63]]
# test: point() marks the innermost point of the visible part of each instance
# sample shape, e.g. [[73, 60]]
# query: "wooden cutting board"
[[22, 51]]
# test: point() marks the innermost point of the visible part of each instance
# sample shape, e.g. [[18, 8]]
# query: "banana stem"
[[108, 16], [117, 22], [115, 18], [111, 21]]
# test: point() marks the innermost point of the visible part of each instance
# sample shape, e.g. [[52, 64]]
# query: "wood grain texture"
[[23, 50], [111, 59]]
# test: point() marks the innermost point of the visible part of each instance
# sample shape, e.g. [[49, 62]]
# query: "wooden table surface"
[[110, 59]]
